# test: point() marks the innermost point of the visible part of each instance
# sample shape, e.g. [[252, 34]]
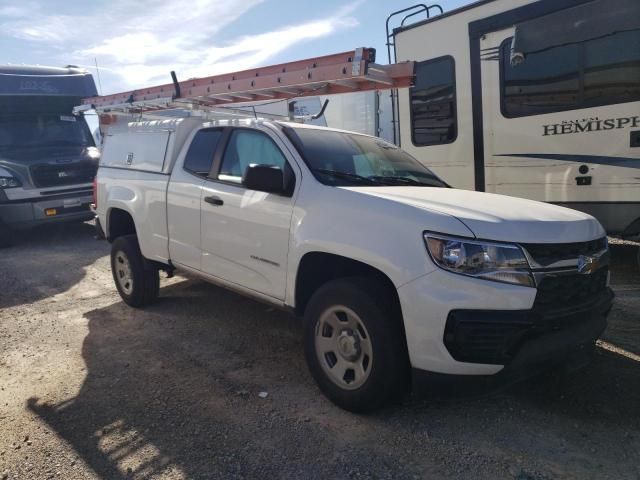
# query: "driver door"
[[245, 233]]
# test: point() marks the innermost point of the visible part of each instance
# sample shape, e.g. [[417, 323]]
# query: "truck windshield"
[[36, 130], [346, 159]]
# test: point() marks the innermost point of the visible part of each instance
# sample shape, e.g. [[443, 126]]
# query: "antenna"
[[98, 73]]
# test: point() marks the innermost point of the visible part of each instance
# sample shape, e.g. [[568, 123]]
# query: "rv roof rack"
[[411, 11], [345, 72]]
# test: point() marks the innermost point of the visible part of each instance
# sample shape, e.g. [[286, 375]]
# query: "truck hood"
[[496, 217]]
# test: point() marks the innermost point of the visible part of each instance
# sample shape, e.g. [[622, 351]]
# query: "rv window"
[[596, 72], [433, 103], [200, 154]]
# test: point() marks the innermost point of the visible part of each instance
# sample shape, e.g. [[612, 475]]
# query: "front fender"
[[385, 235]]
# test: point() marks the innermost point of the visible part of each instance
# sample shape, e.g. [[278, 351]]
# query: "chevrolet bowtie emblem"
[[587, 264]]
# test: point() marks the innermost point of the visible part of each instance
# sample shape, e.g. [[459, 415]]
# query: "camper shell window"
[[596, 72], [433, 103]]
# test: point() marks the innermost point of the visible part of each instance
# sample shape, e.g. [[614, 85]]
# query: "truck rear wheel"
[[354, 345], [138, 283]]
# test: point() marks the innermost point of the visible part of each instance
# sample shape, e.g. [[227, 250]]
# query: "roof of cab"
[[35, 80], [37, 70]]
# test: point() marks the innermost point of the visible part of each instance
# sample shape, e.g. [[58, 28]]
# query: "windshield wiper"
[[347, 176], [400, 180]]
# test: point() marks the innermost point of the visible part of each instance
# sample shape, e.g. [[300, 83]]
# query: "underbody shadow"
[[51, 258]]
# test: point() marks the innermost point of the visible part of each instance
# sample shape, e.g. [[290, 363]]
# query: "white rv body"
[[587, 158]]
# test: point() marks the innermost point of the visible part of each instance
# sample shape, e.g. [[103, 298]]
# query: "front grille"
[[558, 292], [549, 253], [60, 175]]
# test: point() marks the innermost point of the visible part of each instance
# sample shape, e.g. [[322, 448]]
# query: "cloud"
[[138, 44]]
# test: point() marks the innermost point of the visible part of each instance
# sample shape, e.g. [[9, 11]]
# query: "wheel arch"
[[119, 222], [317, 268]]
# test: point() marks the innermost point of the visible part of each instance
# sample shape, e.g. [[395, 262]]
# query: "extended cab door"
[[245, 233], [184, 194]]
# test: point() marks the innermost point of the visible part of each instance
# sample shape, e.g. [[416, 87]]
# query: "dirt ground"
[[90, 388]]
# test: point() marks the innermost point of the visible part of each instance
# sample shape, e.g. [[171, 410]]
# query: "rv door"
[[562, 124]]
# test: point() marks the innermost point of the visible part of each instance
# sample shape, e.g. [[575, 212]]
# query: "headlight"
[[9, 182], [93, 153], [499, 262]]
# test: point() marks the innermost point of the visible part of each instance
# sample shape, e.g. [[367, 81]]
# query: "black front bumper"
[[523, 339]]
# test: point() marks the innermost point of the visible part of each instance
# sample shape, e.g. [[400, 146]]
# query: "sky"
[[137, 43]]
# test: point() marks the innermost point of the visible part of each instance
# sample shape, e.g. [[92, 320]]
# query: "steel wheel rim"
[[123, 272], [343, 347]]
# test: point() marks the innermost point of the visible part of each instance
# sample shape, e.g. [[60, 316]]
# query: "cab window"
[[248, 147]]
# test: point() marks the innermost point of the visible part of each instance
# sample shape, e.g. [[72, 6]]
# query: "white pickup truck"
[[389, 267]]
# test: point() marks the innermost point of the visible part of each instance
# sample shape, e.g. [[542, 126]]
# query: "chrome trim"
[[561, 264]]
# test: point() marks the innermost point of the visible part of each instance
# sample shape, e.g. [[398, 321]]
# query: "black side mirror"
[[264, 178]]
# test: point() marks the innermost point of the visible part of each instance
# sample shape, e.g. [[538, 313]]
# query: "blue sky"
[[137, 43]]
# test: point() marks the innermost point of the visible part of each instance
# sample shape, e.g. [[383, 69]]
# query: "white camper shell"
[[535, 99]]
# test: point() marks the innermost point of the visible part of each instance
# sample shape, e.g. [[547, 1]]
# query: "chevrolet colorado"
[[390, 268]]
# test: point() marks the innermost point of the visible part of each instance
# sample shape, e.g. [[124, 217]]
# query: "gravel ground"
[[90, 388]]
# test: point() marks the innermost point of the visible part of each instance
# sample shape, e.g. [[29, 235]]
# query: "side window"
[[596, 72], [247, 147], [433, 103], [200, 154]]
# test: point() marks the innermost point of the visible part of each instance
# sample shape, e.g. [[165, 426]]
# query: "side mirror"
[[264, 178]]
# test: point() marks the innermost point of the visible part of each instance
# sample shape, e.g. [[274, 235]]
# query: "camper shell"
[[536, 99]]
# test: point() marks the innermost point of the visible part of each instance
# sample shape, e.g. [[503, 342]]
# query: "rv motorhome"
[[48, 158], [535, 99]]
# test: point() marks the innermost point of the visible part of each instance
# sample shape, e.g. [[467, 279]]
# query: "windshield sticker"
[[590, 125], [67, 118]]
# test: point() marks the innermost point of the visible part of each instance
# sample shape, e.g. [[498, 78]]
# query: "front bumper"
[[30, 213], [464, 326], [524, 340]]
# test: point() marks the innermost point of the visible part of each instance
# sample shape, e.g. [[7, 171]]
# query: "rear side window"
[[596, 72], [433, 103], [200, 154]]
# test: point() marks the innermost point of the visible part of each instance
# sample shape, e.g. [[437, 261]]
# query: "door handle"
[[214, 200]]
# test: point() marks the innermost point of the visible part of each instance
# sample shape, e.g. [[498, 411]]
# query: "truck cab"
[[48, 157]]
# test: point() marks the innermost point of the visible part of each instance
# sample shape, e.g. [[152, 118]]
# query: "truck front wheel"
[[354, 345], [137, 281]]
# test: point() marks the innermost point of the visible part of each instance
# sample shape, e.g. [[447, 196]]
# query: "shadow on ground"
[[52, 260], [173, 390]]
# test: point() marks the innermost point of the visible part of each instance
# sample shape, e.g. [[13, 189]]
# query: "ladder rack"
[[352, 71]]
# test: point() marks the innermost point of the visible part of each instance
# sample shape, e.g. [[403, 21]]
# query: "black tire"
[[144, 282], [389, 369]]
